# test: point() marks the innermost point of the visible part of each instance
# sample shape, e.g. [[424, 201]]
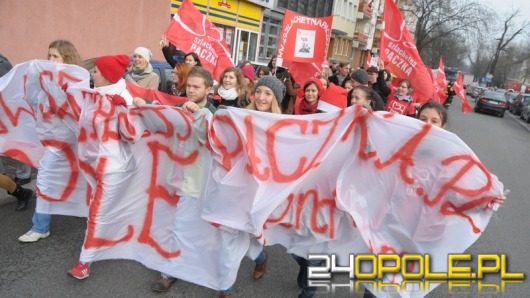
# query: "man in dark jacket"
[[342, 75], [376, 81]]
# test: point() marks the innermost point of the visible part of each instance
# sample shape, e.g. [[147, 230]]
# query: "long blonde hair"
[[275, 106]]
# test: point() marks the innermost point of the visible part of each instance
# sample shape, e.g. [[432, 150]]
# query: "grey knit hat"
[[277, 87], [360, 76]]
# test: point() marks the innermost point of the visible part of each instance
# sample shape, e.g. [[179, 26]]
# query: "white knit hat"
[[144, 52]]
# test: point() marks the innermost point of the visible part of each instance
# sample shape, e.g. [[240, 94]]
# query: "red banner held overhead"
[[398, 48], [304, 39], [192, 32], [304, 43]]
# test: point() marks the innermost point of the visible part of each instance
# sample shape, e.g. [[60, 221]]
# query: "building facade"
[[239, 21], [273, 18], [356, 30]]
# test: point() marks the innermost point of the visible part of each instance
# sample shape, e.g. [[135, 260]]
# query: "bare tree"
[[508, 34], [479, 55], [432, 20]]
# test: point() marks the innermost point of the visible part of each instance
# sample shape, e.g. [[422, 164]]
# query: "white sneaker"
[[32, 236]]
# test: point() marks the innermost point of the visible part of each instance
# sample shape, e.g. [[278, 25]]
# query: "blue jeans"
[[23, 170], [41, 222], [259, 260]]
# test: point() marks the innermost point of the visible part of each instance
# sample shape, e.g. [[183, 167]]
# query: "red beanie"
[[248, 72], [112, 67], [333, 99]]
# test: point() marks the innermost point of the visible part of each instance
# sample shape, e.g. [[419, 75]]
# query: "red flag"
[[435, 95], [458, 87], [368, 60], [303, 44], [441, 83], [304, 39], [302, 72], [398, 48], [192, 32], [154, 96]]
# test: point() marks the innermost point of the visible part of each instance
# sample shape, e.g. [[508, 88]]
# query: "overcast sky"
[[506, 6]]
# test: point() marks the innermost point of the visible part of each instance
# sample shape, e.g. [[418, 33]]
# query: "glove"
[[117, 100]]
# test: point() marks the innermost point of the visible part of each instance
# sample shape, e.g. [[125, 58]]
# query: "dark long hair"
[[438, 108], [195, 57]]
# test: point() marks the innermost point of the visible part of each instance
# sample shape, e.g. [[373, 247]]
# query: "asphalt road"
[[39, 269]]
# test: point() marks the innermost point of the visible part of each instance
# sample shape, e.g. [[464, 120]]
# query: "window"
[[271, 29]]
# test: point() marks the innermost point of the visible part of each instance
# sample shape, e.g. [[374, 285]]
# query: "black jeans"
[[307, 291]]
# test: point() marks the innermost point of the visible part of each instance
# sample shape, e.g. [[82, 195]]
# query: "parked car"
[[525, 114], [492, 102], [510, 97], [519, 103], [477, 91], [161, 68], [470, 89]]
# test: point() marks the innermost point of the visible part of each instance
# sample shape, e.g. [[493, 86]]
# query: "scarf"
[[119, 88], [406, 98], [138, 74], [308, 108], [230, 94], [340, 78]]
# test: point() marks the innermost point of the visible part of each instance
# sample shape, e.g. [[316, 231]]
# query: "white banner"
[[185, 194]]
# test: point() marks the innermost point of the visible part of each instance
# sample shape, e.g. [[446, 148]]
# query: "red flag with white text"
[[190, 31], [458, 87], [398, 48], [304, 39], [303, 45]]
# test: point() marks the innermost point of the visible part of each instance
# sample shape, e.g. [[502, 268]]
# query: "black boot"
[[23, 195]]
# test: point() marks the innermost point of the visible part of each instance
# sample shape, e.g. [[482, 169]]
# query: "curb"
[[517, 119]]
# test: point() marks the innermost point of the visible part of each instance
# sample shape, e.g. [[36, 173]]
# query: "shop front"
[[239, 22]]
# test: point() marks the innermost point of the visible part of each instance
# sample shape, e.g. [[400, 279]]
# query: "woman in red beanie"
[[249, 76], [307, 97], [108, 74], [108, 79]]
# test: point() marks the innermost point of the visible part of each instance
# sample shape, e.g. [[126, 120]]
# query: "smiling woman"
[[268, 94], [141, 72]]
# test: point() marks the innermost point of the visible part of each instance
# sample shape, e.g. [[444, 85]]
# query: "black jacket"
[[173, 59], [381, 87], [335, 80]]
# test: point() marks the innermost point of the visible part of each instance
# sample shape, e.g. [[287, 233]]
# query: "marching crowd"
[[269, 89]]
